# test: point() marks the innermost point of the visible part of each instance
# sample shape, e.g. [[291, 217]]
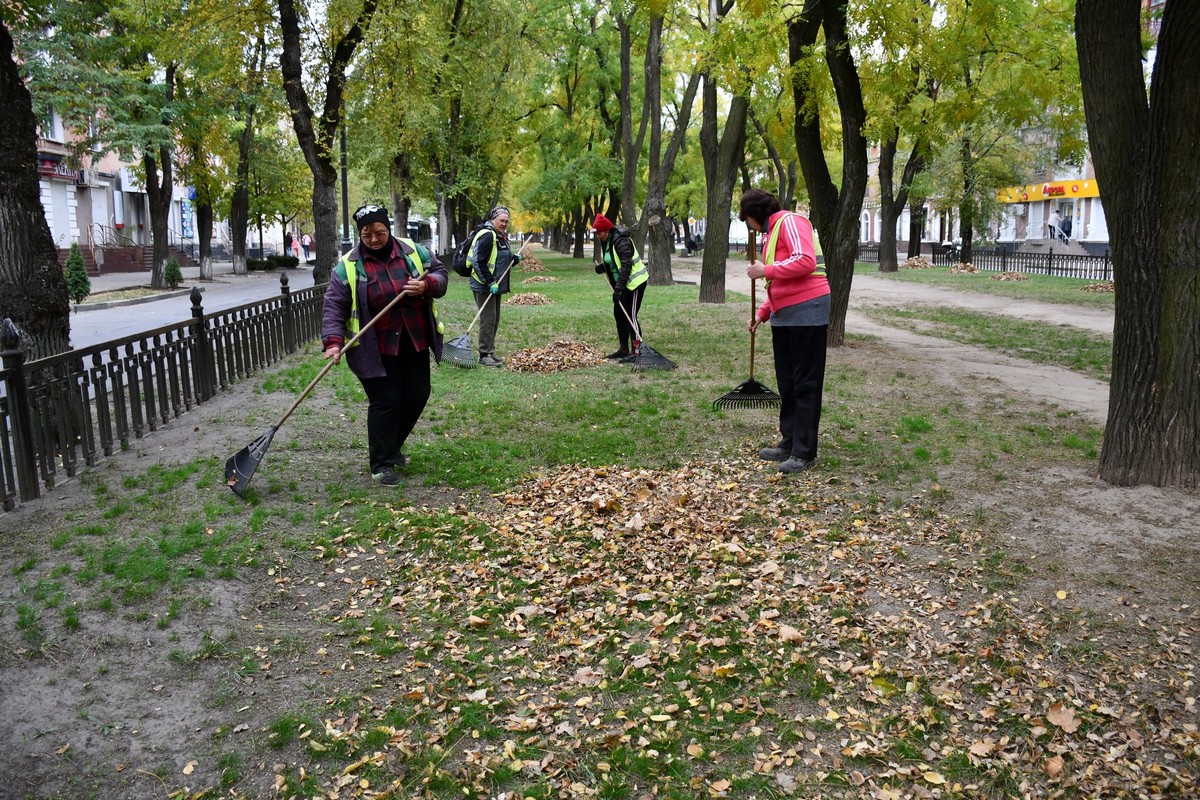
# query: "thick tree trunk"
[[722, 161], [1147, 149], [204, 225], [159, 191], [33, 287], [401, 203], [316, 140], [834, 212], [916, 225]]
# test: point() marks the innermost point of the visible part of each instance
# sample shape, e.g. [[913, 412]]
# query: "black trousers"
[[800, 373], [395, 403], [631, 302]]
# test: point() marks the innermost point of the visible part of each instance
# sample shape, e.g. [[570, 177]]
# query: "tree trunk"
[[722, 160], [892, 202], [966, 206], [834, 212], [661, 239], [316, 140], [204, 226], [33, 287], [401, 203], [1146, 150], [159, 191], [916, 225]]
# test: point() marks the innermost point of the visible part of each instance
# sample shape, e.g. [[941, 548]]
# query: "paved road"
[[226, 290]]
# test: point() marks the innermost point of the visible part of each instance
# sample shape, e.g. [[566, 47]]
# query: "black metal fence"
[[1001, 259], [62, 412]]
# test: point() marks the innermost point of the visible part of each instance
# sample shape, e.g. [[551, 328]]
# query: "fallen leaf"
[[935, 778], [789, 634], [1053, 766], [190, 767], [1063, 717]]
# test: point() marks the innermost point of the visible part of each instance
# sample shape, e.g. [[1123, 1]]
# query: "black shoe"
[[774, 454], [794, 465], [490, 360], [617, 355], [389, 477]]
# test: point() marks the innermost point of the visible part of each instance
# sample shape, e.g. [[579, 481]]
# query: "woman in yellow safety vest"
[[391, 360], [627, 275]]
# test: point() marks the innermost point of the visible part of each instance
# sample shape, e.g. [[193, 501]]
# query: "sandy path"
[[949, 361]]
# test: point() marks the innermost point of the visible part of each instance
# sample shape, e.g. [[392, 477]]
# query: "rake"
[[647, 357], [239, 469], [459, 351], [751, 393]]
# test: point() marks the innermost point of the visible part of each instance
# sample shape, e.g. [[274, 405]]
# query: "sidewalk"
[[223, 276]]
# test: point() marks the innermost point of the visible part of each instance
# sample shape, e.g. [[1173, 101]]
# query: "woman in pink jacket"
[[797, 306]]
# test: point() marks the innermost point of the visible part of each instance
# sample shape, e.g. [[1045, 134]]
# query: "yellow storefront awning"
[[1055, 190]]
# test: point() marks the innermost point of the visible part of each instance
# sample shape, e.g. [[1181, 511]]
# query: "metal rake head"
[[649, 358], [459, 353], [750, 394]]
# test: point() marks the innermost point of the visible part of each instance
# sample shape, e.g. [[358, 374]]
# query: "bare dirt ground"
[[1131, 556]]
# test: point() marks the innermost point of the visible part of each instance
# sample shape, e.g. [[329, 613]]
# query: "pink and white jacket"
[[794, 276]]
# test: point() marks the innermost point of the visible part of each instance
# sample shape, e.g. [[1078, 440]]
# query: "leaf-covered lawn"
[[701, 632]]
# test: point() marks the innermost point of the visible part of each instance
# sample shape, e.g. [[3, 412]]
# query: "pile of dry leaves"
[[604, 631], [1009, 276], [528, 299], [561, 355], [531, 263], [962, 267], [539, 279], [1106, 287], [917, 262]]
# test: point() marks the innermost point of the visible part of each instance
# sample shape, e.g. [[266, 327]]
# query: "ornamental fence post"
[[18, 409]]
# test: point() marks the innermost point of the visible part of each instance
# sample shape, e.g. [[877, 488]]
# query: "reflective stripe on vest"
[[354, 324], [773, 239], [638, 272], [476, 274]]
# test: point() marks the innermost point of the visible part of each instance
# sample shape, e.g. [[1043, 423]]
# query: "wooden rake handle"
[[753, 301]]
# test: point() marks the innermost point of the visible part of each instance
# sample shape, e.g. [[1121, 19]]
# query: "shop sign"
[[1046, 191], [56, 170]]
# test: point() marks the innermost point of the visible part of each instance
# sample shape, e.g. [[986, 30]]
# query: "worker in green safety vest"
[[392, 359], [627, 275]]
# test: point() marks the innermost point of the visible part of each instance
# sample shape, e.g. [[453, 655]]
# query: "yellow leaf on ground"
[[935, 777], [190, 767]]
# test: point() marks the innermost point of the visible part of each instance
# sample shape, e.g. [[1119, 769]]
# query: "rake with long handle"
[[751, 393], [239, 469], [647, 357], [459, 352]]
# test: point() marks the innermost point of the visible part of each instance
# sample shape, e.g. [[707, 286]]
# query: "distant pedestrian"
[[296, 248], [1065, 227], [305, 242], [288, 241], [797, 306], [1053, 224]]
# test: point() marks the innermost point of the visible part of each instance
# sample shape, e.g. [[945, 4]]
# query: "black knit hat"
[[369, 213]]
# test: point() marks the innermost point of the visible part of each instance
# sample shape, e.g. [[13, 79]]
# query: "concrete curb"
[[133, 301]]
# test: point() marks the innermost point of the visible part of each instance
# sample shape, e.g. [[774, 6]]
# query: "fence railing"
[[1000, 259], [61, 413]]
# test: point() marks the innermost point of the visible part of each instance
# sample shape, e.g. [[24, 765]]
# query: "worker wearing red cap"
[[627, 275]]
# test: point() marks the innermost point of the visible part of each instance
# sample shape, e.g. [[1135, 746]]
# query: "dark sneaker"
[[388, 478], [794, 465], [489, 360], [774, 454], [617, 355]]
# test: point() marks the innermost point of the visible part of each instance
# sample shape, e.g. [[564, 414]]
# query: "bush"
[[78, 284], [172, 276], [256, 263], [282, 262]]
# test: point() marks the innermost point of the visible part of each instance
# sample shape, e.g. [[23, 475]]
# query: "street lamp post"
[[346, 243]]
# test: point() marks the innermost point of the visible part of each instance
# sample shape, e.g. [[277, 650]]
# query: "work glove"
[[599, 267], [616, 295], [494, 288], [516, 259]]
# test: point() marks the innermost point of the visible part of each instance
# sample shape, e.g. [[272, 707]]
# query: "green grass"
[[1059, 345], [1045, 288]]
